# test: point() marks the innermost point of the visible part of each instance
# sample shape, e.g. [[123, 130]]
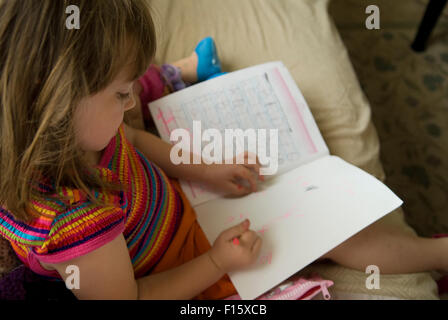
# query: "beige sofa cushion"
[[302, 35]]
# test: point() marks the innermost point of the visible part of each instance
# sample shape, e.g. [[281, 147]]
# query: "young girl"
[[78, 187]]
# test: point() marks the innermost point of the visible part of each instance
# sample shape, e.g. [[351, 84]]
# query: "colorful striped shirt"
[[147, 212]]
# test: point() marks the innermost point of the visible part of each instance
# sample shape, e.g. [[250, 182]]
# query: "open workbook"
[[314, 201]]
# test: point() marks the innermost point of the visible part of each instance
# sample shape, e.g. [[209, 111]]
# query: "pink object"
[[153, 85], [296, 288], [293, 105], [160, 115], [440, 235], [236, 241]]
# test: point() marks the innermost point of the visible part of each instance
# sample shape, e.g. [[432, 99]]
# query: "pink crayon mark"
[[171, 117], [350, 192], [269, 258], [169, 120], [263, 229], [160, 115], [297, 180], [347, 189], [287, 215], [266, 258], [230, 219], [192, 189], [200, 189], [293, 105]]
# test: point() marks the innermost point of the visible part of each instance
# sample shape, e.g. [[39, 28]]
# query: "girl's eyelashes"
[[123, 96]]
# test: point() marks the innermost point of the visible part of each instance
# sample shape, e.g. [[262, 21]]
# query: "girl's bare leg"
[[188, 67], [392, 250]]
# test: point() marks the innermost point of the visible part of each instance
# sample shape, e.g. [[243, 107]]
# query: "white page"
[[260, 97], [299, 226]]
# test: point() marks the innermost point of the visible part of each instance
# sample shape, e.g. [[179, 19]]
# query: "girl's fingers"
[[255, 168], [252, 156], [246, 174], [248, 158], [257, 246], [236, 189], [236, 231], [249, 238]]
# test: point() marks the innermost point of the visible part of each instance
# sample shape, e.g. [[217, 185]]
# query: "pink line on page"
[[304, 131], [161, 116], [170, 119], [192, 189]]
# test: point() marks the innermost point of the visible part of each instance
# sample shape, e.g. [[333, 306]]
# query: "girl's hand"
[[229, 256], [233, 179]]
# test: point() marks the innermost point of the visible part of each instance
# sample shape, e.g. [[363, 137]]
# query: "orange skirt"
[[189, 242]]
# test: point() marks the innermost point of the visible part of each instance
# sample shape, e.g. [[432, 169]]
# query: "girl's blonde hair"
[[45, 71]]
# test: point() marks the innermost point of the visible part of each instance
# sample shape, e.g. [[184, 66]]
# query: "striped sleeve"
[[80, 230]]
